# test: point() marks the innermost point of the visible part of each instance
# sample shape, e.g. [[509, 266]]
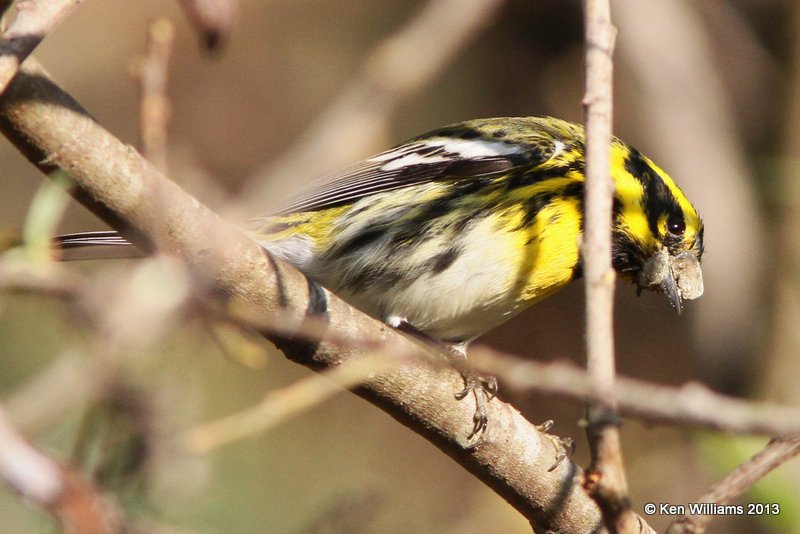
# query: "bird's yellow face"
[[658, 235]]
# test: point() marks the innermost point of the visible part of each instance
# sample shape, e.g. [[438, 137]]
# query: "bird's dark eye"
[[676, 225]]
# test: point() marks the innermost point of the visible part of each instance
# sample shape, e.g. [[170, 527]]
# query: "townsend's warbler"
[[460, 229]]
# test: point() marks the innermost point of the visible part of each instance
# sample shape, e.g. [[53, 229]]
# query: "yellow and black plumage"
[[456, 231]]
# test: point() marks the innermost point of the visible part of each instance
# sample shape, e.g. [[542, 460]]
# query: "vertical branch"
[[154, 111], [598, 196], [605, 480]]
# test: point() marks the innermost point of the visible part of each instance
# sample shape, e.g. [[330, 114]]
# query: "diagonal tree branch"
[[776, 453], [113, 180]]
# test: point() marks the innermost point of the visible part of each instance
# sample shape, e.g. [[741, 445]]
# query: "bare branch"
[[35, 19], [154, 109], [514, 458], [692, 403], [605, 479], [599, 190], [281, 405], [777, 452], [25, 276]]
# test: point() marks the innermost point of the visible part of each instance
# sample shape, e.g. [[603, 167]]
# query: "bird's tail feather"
[[94, 246]]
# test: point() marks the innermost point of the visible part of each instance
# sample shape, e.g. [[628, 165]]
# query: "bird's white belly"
[[474, 294]]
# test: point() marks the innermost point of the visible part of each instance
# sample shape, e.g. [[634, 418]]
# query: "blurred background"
[[709, 90]]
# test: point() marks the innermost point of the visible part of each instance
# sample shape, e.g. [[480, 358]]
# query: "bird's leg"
[[483, 388]]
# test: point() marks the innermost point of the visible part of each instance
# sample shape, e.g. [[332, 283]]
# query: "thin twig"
[[283, 404], [46, 279], [154, 108], [605, 479], [690, 404], [777, 452], [35, 19]]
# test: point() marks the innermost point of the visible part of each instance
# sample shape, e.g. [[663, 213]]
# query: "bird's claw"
[[484, 389], [565, 447]]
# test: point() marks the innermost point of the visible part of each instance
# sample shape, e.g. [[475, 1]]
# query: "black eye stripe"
[[656, 196]]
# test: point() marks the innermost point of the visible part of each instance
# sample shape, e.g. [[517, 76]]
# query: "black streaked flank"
[[573, 190], [533, 206], [444, 204], [461, 224], [442, 261], [379, 277]]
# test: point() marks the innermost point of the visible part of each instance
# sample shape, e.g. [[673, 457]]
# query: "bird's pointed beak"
[[678, 277]]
